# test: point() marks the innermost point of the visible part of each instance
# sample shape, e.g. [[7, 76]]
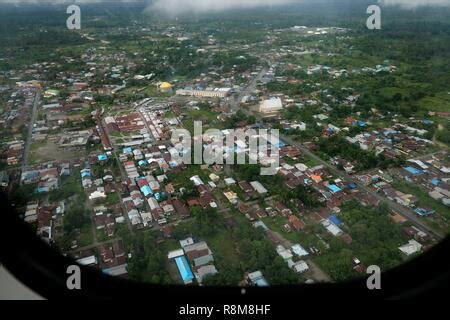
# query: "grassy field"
[[440, 102], [183, 176], [86, 237], [305, 238], [206, 116], [221, 244], [310, 162]]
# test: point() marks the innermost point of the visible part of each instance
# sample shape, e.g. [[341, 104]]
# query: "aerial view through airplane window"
[[248, 143]]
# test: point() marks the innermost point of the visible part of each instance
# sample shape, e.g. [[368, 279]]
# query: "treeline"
[[148, 262], [443, 134], [255, 253], [338, 147], [376, 239]]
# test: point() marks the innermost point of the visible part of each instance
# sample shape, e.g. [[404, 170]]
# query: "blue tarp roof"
[[334, 188], [86, 174], [184, 269], [142, 162], [436, 181], [146, 190], [261, 282], [335, 220], [413, 170], [423, 212], [127, 150], [102, 157], [352, 185], [30, 175]]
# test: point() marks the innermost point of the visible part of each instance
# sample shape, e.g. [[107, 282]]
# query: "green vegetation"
[[440, 220], [76, 217], [112, 198], [149, 260], [70, 186], [376, 239], [306, 195], [243, 249], [443, 134], [337, 146]]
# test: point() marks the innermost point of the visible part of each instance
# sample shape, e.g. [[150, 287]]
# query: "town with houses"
[[88, 160]]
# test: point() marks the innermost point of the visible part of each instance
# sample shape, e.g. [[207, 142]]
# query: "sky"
[[413, 4], [201, 6], [174, 7]]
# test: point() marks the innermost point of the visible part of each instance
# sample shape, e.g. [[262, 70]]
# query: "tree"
[[75, 218], [207, 221]]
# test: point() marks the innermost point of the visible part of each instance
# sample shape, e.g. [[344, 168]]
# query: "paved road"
[[123, 175], [34, 112], [251, 87]]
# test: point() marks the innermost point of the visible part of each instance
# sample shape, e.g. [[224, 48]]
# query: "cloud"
[[61, 1], [412, 4], [175, 7]]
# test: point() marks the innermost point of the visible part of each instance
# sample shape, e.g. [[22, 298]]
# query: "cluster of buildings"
[[194, 261], [110, 259], [46, 217], [206, 93], [391, 142], [14, 152], [292, 256], [46, 177]]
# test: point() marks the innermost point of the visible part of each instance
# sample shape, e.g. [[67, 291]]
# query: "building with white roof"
[[299, 250], [258, 187], [300, 267], [332, 228], [411, 247], [271, 105]]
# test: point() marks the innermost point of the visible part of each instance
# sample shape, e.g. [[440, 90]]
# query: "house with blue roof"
[[86, 173], [436, 181], [361, 123], [173, 164], [424, 211], [184, 269], [334, 188], [128, 150], [146, 190], [335, 220], [352, 186], [414, 171], [142, 163]]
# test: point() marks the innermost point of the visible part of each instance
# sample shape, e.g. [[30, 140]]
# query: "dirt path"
[[318, 274], [314, 270]]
